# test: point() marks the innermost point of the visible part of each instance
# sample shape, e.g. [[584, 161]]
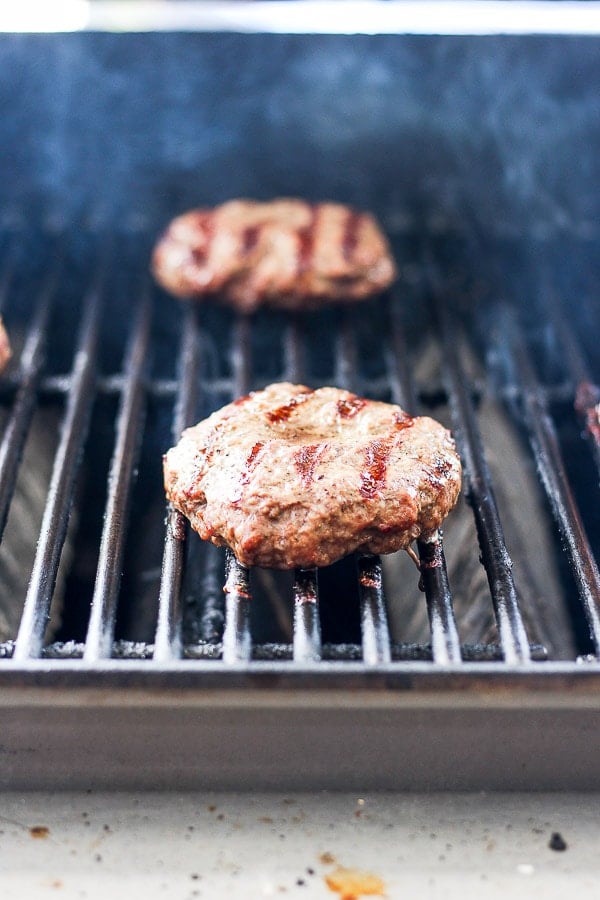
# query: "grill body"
[[165, 665]]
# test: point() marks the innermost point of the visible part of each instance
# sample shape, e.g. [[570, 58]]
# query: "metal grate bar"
[[17, 426], [307, 620], [241, 363], [60, 494], [373, 612], [237, 639], [7, 273], [129, 428], [346, 357], [434, 577], [295, 363], [167, 644], [374, 625], [211, 590], [546, 449], [273, 652], [478, 485], [307, 625]]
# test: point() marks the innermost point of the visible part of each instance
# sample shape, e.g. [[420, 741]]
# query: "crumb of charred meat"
[[284, 253], [292, 477]]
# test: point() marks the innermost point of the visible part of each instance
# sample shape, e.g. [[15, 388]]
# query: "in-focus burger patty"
[[293, 477], [285, 253]]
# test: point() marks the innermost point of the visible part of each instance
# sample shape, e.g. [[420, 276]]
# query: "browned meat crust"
[[289, 477], [5, 349], [285, 253]]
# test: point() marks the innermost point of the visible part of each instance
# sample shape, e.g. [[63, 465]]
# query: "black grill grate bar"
[[17, 426], [62, 483], [212, 617], [339, 652], [129, 428], [397, 359], [373, 613], [7, 273], [307, 620], [346, 352], [307, 625], [294, 356], [434, 576], [237, 638], [374, 626], [478, 485], [546, 449], [169, 625], [434, 581], [241, 362]]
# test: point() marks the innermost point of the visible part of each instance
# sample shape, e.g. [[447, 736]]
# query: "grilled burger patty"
[[290, 477], [284, 253]]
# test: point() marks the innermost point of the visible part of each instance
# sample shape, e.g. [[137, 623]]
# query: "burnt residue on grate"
[[124, 369]]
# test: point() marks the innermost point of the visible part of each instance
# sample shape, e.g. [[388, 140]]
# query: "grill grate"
[[222, 606]]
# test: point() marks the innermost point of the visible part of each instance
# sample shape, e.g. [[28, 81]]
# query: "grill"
[[141, 657]]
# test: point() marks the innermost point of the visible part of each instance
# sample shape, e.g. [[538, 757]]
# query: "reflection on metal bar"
[[373, 617], [168, 629], [442, 622], [60, 493], [307, 625], [545, 446], [120, 480]]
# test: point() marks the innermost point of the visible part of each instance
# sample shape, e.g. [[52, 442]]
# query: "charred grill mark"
[[306, 241], [248, 466], [306, 460], [372, 477], [442, 467], [204, 227], [250, 238], [350, 406], [178, 527], [282, 413], [402, 420], [350, 238], [252, 456], [371, 579]]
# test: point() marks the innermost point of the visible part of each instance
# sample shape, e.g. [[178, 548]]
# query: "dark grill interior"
[[111, 371]]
